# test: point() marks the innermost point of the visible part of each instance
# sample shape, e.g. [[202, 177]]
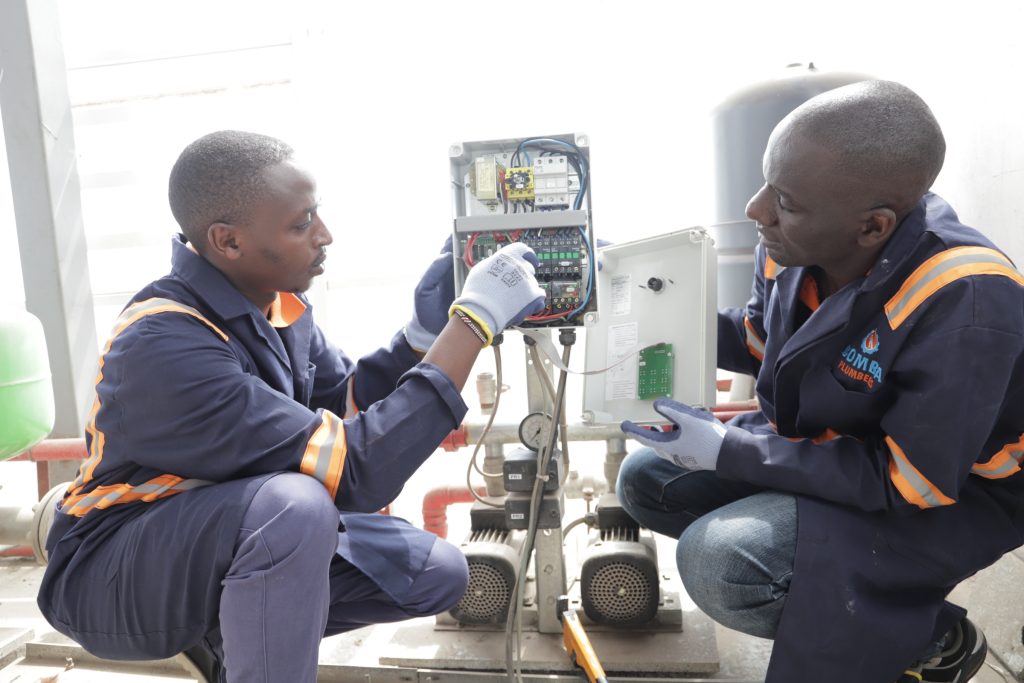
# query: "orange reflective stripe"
[[128, 317], [911, 484], [1006, 462], [942, 269], [754, 343], [324, 458], [102, 497], [771, 268], [350, 398]]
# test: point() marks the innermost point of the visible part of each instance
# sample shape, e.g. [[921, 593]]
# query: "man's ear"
[[878, 227], [223, 240]]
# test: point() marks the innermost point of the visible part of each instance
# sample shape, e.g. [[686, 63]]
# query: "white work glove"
[[431, 301], [693, 445], [501, 290]]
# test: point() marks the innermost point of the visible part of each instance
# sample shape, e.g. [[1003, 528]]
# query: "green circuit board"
[[655, 369]]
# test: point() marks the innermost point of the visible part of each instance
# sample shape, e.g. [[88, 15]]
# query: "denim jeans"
[[737, 542]]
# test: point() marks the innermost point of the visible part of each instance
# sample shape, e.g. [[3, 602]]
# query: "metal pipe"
[[15, 524], [494, 460], [613, 458], [509, 433]]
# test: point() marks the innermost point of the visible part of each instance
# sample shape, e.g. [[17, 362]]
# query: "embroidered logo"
[[870, 343], [856, 363]]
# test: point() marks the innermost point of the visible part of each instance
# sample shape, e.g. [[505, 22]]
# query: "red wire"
[[467, 256]]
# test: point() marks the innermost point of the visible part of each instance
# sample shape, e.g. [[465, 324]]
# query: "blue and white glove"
[[431, 301], [694, 445], [501, 290]]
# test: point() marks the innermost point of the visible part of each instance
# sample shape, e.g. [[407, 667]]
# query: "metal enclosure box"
[[550, 212], [658, 290]]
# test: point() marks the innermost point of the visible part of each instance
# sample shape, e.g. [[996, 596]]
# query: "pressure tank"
[[26, 395], [741, 125]]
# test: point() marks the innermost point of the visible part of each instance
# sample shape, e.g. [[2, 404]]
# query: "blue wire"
[[577, 203], [592, 258], [584, 166]]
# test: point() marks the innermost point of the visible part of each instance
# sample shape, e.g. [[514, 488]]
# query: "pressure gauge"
[[532, 430]]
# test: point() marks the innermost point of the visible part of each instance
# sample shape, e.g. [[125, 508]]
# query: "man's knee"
[[633, 484], [290, 511], [737, 567], [442, 582]]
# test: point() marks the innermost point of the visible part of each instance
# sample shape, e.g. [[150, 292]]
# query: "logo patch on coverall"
[[857, 365]]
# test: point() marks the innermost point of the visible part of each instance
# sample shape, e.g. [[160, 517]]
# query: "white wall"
[[374, 92]]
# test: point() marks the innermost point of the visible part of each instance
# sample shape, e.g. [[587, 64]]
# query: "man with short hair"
[[227, 434], [884, 464]]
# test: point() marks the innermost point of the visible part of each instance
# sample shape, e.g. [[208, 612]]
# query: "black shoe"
[[205, 659], [962, 653]]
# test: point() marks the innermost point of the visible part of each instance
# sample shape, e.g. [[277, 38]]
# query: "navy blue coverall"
[[200, 399], [894, 410]]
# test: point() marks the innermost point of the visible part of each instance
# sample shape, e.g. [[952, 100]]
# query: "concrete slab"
[[12, 641], [993, 600], [692, 650]]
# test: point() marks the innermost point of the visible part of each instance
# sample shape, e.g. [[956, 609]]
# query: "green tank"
[[26, 395]]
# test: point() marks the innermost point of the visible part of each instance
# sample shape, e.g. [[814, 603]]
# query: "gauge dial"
[[532, 430]]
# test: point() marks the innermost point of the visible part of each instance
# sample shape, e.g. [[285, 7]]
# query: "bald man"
[[884, 464]]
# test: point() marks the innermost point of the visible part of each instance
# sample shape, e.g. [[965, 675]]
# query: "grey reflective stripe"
[[90, 502], [323, 456], [919, 483], [1012, 464], [954, 262]]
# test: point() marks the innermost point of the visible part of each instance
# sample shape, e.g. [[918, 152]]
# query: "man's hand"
[[431, 301], [501, 290], [693, 445]]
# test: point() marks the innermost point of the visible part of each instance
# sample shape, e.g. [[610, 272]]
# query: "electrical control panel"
[[533, 190]]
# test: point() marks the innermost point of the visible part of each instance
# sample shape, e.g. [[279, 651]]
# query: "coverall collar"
[[208, 282], [901, 245]]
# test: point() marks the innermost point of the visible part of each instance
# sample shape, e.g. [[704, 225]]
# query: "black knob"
[[655, 284]]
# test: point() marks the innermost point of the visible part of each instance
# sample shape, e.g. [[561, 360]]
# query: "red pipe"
[[52, 450], [456, 439], [17, 551], [55, 449], [436, 502]]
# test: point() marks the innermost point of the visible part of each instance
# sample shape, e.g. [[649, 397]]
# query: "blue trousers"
[[159, 584], [737, 542]]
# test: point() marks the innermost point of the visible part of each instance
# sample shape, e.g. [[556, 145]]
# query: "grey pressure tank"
[[741, 125]]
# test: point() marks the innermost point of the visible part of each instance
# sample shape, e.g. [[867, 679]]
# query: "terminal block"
[[519, 184]]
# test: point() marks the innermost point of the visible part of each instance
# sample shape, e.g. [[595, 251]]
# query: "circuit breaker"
[[533, 190]]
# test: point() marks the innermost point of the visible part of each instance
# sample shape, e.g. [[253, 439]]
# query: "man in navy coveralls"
[[236, 458]]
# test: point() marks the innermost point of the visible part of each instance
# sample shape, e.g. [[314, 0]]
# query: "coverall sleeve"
[[370, 379], [949, 385], [741, 331], [204, 417]]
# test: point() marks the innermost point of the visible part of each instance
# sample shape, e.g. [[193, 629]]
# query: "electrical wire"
[[538, 366], [585, 519], [483, 435], [467, 255], [514, 624]]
